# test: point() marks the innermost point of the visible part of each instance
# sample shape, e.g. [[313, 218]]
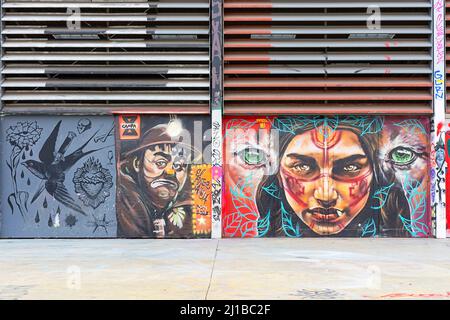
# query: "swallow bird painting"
[[54, 164]]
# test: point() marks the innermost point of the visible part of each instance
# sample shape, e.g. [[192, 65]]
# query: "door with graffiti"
[[347, 176], [447, 179]]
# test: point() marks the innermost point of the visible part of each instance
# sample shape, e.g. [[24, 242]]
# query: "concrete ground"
[[225, 269]]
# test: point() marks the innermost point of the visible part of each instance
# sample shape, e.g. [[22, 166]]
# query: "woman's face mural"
[[326, 178], [317, 176]]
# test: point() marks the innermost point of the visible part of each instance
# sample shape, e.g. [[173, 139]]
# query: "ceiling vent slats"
[[327, 57], [106, 56]]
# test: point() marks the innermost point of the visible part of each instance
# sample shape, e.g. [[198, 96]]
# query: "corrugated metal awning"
[[106, 56], [327, 57]]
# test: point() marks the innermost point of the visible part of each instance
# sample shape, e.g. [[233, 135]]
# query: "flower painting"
[[21, 137]]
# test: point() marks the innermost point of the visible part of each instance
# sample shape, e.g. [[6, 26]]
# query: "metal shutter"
[[128, 55], [319, 57]]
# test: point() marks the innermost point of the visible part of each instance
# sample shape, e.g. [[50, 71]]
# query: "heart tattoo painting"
[[92, 183]]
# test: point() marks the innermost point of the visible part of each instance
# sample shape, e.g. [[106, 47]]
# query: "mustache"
[[165, 181], [325, 211]]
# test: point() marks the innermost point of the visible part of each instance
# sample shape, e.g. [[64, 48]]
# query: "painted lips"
[[326, 214], [164, 183]]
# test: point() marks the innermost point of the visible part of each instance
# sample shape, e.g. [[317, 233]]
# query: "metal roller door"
[[327, 57], [106, 56]]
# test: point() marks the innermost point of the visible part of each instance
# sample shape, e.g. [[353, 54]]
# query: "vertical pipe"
[[216, 92], [1, 111], [1, 56], [438, 165]]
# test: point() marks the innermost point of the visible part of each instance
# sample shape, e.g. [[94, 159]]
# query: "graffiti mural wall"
[[163, 177], [146, 176], [349, 176], [58, 177]]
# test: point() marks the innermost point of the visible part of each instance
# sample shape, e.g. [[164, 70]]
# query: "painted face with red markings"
[[326, 176]]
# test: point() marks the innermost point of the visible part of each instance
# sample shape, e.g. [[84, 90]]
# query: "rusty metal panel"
[[328, 109], [295, 17], [330, 82], [327, 57], [106, 56], [271, 29]]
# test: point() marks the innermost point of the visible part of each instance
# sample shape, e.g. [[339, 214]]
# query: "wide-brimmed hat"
[[161, 134]]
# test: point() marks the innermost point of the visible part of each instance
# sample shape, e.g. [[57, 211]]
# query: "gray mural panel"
[[58, 177]]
